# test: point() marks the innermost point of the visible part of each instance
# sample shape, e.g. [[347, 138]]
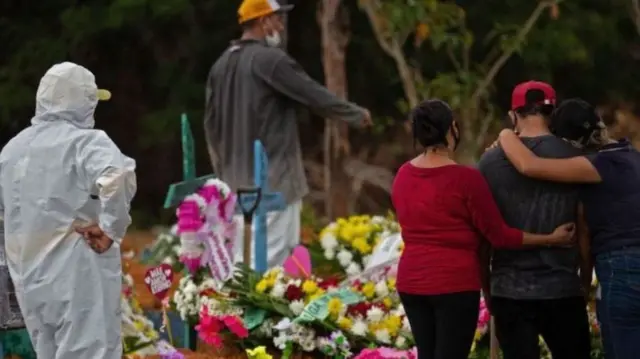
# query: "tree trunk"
[[334, 26]]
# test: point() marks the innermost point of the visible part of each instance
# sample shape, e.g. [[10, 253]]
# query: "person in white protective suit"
[[65, 192]]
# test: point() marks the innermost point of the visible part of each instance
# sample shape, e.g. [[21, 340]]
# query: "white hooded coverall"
[[57, 175]]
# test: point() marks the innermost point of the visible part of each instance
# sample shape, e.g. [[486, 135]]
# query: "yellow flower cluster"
[[360, 233], [268, 280], [258, 353]]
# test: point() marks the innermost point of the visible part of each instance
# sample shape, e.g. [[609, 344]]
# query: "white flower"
[[297, 306], [378, 220], [365, 260], [168, 260], [328, 241], [359, 328], [405, 325], [382, 335], [174, 230], [220, 185], [280, 341], [278, 290], [308, 344], [283, 324], [401, 342], [381, 289], [345, 258], [353, 269], [190, 288], [400, 309], [329, 254], [375, 314]]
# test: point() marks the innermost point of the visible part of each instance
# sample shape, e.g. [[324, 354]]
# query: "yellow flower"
[[393, 323], [345, 323], [335, 307], [387, 302], [361, 230], [262, 286], [258, 353], [270, 281], [138, 325], [361, 245], [401, 247], [369, 290], [315, 296], [309, 287], [341, 221], [391, 284], [346, 233]]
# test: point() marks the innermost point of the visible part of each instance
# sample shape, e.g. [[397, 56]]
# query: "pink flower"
[[236, 326], [387, 353], [192, 263]]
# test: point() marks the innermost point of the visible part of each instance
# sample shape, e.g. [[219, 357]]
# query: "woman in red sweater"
[[445, 210]]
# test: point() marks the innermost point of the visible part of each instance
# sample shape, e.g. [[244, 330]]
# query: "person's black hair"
[[576, 120], [431, 122], [534, 105]]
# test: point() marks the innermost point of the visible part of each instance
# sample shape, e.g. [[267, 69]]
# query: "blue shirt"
[[612, 207]]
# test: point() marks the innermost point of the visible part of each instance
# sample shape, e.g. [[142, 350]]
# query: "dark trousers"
[[562, 323], [443, 325], [618, 307]]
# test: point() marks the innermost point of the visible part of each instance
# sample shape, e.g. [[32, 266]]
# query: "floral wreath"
[[207, 230]]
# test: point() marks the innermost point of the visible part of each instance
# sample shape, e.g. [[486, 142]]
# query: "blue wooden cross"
[[190, 184], [268, 202]]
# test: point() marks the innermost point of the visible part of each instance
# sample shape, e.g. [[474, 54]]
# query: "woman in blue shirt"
[[611, 205]]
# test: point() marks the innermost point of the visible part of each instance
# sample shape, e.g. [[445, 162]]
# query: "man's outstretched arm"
[[287, 77]]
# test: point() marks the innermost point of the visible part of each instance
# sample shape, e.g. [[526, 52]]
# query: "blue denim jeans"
[[618, 308]]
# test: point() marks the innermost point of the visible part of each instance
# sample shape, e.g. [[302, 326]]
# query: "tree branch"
[[506, 54], [635, 6], [393, 48]]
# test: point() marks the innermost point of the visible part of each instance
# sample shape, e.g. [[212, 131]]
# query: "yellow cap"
[[103, 95], [253, 9]]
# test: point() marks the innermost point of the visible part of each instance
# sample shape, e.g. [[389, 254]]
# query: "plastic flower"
[[258, 353], [369, 289], [293, 293], [309, 286], [345, 323], [235, 325], [262, 286], [335, 307]]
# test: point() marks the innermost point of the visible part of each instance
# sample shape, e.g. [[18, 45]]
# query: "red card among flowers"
[[158, 280]]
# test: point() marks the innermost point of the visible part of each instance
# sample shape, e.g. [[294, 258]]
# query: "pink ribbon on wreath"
[[218, 254]]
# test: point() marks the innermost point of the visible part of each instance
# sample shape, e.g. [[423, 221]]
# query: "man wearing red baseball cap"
[[536, 292], [255, 90]]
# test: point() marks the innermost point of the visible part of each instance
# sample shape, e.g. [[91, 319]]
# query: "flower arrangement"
[[207, 230], [138, 334], [387, 353], [213, 326], [350, 241]]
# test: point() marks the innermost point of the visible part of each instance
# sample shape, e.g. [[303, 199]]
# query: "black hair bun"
[[431, 122], [575, 119]]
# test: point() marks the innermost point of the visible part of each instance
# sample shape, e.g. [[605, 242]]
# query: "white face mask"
[[274, 39]]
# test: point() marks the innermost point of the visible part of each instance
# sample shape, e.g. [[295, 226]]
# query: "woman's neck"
[[432, 158]]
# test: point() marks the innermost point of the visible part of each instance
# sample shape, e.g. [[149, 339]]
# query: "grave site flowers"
[[348, 242]]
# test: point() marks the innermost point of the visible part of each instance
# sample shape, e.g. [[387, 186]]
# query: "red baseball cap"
[[519, 94]]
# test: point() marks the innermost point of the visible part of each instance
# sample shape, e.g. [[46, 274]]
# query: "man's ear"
[[513, 118]]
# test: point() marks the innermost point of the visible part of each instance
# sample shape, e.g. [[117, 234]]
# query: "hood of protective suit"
[[67, 92]]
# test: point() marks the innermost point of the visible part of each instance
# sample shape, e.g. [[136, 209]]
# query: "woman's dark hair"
[[578, 121], [535, 105], [431, 121]]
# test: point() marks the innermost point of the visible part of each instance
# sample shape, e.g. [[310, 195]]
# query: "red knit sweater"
[[444, 212]]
